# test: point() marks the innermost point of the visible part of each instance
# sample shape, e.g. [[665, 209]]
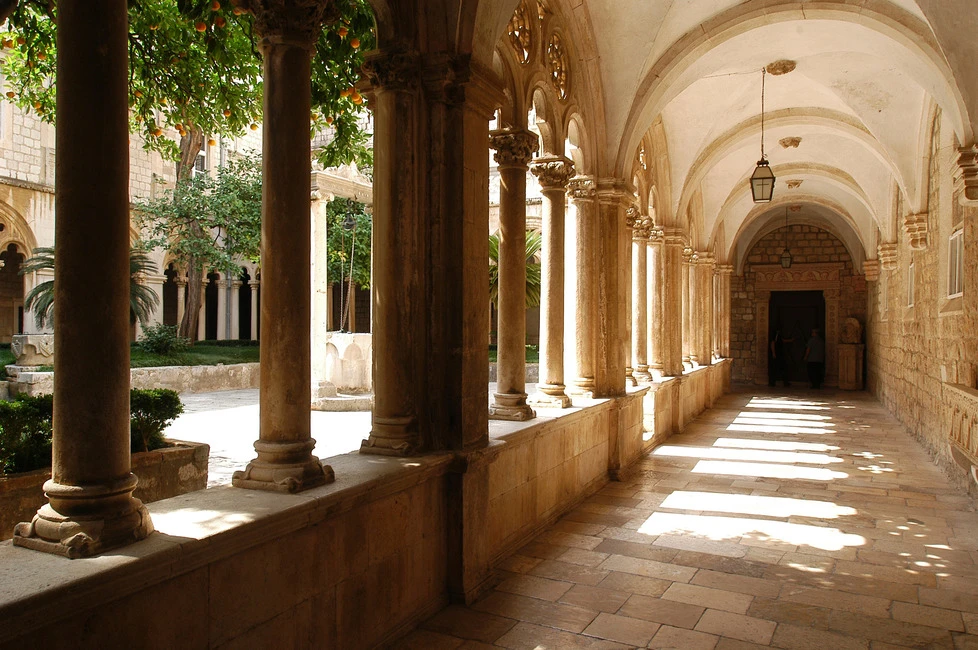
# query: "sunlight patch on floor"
[[757, 455], [774, 415], [733, 528], [766, 470], [815, 427], [773, 445], [755, 505], [762, 428], [757, 403]]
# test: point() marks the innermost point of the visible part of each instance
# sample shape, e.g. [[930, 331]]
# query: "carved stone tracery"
[[558, 65], [521, 33]]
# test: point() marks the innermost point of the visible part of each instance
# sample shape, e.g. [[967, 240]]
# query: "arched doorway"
[[11, 293]]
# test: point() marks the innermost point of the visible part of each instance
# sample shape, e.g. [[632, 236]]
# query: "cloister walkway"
[[792, 520]]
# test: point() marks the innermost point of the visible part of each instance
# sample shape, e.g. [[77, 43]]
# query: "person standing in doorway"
[[815, 356], [778, 359]]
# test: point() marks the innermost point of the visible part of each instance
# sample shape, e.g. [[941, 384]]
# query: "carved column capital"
[[553, 172], [656, 235], [640, 224], [581, 188], [290, 22], [392, 70], [514, 147], [887, 252], [725, 269], [966, 175]]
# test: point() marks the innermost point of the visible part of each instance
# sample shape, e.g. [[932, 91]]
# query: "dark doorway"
[[795, 314], [244, 306], [170, 296], [210, 307]]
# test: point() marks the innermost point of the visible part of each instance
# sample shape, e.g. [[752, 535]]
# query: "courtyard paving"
[[792, 520]]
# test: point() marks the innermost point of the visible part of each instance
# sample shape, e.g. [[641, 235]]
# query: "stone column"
[[640, 297], [724, 271], [236, 309], [202, 313], [686, 309], [672, 312], [254, 284], [222, 309], [287, 33], [654, 286], [155, 283], [582, 191], [625, 294], [702, 281], [553, 174], [514, 149], [613, 241], [319, 276], [90, 505], [181, 299]]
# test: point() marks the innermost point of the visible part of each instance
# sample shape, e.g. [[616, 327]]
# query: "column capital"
[[887, 252], [392, 69], [725, 269], [180, 282], [641, 224], [553, 172], [514, 147], [871, 269], [581, 188], [688, 255], [703, 258], [289, 22], [254, 284], [966, 175]]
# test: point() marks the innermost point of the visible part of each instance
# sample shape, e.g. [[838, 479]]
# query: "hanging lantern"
[[762, 180]]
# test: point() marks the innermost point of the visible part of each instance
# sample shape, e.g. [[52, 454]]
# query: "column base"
[[284, 467], [642, 375], [581, 387], [630, 376], [550, 396], [391, 437], [510, 406], [118, 520]]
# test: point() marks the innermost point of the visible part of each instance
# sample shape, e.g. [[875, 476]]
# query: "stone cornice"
[[513, 147]]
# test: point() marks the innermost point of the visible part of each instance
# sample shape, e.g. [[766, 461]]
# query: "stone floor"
[[791, 520]]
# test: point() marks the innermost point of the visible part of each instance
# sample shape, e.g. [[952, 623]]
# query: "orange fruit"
[[329, 119], [212, 142], [215, 5], [357, 98], [354, 43], [157, 132], [254, 127], [342, 31], [11, 94], [201, 26], [220, 22], [21, 40]]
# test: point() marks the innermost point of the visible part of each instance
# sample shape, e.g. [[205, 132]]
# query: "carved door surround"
[[800, 277]]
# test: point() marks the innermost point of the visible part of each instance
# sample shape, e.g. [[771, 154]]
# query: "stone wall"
[[809, 245]]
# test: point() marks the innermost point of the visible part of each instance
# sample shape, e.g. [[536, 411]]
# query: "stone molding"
[[725, 269], [395, 70], [915, 225], [887, 252], [772, 277], [966, 175], [871, 269], [553, 172], [513, 147], [290, 22]]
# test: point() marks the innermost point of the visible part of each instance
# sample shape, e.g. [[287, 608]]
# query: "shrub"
[[25, 433], [162, 339], [151, 411]]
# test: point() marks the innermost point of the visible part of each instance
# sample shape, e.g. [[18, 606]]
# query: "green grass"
[[200, 354], [532, 354]]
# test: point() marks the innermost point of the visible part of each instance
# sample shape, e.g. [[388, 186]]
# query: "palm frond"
[[41, 260], [40, 300]]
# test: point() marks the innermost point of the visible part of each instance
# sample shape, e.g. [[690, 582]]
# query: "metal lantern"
[[762, 182]]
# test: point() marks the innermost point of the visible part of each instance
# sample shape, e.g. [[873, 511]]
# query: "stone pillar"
[[654, 286], [625, 295], [724, 271], [287, 33], [398, 307], [90, 505], [687, 320], [236, 309], [582, 191], [514, 149], [613, 241], [222, 309], [641, 230], [202, 313], [672, 312], [155, 283], [553, 174], [702, 293], [181, 299], [254, 284], [319, 276]]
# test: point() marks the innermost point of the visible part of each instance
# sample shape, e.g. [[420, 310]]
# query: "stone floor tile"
[[533, 610], [662, 611], [787, 612], [726, 643], [535, 587], [595, 598], [806, 638], [698, 544], [948, 599], [644, 551], [569, 572], [467, 623], [583, 558], [970, 622], [577, 527], [543, 551], [527, 636], [856, 603], [965, 642], [428, 640], [740, 584], [736, 626], [889, 631], [574, 540], [519, 563], [708, 597], [476, 645], [623, 629], [631, 583], [674, 638], [947, 619], [648, 568]]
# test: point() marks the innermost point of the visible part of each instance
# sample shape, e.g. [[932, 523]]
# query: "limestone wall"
[[809, 245]]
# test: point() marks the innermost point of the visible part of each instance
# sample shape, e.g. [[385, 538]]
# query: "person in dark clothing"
[[778, 360], [815, 356]]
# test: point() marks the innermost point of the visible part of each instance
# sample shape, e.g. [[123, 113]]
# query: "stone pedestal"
[[851, 366], [33, 349]]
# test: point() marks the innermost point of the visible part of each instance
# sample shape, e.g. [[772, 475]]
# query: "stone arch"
[[673, 71], [546, 121], [575, 146]]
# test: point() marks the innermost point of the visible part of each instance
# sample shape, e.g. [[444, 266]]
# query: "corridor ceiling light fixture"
[[762, 180], [786, 255]]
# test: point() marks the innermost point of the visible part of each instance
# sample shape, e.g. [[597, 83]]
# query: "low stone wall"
[[532, 373], [183, 379], [162, 474]]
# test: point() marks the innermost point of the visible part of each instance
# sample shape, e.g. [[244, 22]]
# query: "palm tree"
[[534, 241], [142, 300]]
